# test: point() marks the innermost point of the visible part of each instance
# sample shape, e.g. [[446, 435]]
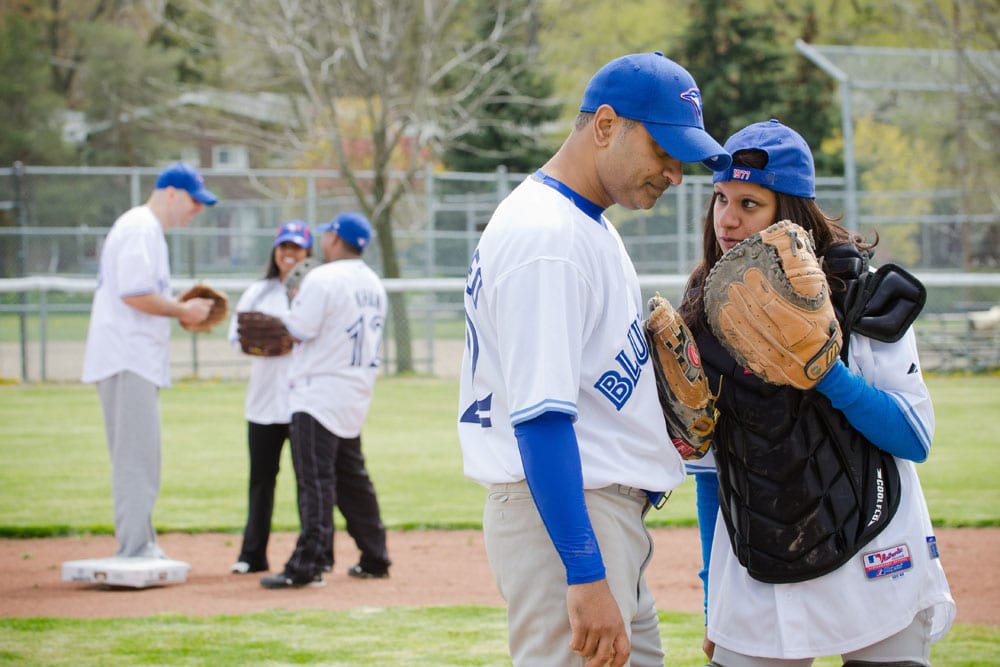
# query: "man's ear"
[[604, 122]]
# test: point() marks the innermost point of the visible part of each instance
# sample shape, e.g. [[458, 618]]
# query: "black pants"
[[330, 471], [265, 442]]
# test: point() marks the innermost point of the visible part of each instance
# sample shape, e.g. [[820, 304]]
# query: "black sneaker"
[[359, 572], [282, 580]]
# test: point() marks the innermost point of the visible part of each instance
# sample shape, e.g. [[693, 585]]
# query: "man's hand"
[[708, 646], [598, 629], [194, 311]]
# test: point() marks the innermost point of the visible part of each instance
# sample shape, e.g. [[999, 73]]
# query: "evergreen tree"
[[748, 70], [31, 131], [733, 54], [510, 131], [192, 33]]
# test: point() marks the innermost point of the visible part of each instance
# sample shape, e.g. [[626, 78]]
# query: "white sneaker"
[[240, 567]]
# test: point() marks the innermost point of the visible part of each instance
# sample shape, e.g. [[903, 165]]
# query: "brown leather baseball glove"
[[263, 335], [218, 312], [768, 302], [687, 402]]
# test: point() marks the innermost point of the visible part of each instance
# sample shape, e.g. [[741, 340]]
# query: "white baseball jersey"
[[554, 323], [876, 593], [338, 314], [134, 261], [267, 390]]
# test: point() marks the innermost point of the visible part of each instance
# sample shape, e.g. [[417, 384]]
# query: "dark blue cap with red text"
[[789, 167]]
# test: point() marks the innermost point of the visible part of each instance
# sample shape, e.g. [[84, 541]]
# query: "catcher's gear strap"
[[551, 459], [874, 413], [892, 300], [827, 490], [881, 304]]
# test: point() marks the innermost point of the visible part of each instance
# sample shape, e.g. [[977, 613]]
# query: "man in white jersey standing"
[[337, 316], [558, 411], [128, 347]]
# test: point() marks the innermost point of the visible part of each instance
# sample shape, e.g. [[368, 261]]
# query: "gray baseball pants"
[[131, 406]]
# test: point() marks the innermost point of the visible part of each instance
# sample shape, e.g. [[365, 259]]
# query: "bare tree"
[[413, 76]]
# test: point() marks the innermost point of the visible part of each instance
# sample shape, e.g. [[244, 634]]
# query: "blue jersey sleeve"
[[707, 501], [873, 412], [551, 459]]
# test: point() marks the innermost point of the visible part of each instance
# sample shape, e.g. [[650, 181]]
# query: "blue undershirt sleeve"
[[873, 412], [551, 459], [707, 502]]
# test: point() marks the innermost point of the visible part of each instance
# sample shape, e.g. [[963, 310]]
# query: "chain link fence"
[[54, 219]]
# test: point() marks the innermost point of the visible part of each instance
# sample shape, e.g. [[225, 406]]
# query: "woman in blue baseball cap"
[[825, 546], [267, 411]]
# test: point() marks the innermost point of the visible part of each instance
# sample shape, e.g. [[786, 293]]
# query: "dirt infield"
[[430, 568]]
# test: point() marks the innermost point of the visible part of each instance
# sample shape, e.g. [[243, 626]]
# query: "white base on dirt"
[[130, 572]]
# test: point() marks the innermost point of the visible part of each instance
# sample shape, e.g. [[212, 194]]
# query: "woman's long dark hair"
[[272, 270], [826, 231]]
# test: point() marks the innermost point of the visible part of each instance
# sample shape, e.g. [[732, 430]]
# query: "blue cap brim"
[[205, 196], [690, 144]]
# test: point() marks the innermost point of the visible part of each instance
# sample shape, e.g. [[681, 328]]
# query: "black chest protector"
[[801, 491]]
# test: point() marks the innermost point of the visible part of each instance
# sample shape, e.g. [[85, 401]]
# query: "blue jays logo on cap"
[[294, 231], [693, 95], [663, 96]]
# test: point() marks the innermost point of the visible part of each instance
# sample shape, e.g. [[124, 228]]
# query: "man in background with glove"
[[337, 316], [128, 346]]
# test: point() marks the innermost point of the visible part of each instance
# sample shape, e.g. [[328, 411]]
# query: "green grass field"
[[54, 480]]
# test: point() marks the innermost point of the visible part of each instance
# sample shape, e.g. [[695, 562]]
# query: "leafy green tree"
[[126, 86], [808, 101], [734, 55], [748, 70], [191, 32], [510, 131], [370, 80], [31, 129]]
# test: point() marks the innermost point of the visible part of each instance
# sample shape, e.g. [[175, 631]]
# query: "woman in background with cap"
[[267, 411], [809, 597]]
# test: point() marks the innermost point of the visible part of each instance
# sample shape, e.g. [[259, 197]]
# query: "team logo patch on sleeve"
[[932, 549], [887, 561]]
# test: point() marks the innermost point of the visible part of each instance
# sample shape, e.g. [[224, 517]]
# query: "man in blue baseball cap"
[[558, 401], [128, 346], [181, 176], [337, 316], [352, 228]]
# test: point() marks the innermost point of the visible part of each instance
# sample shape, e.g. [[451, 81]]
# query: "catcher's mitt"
[[768, 302], [687, 402], [263, 335], [294, 278], [218, 312]]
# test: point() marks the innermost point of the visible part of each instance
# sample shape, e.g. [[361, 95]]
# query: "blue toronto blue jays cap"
[[186, 177], [789, 167], [294, 231], [352, 227], [651, 88]]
